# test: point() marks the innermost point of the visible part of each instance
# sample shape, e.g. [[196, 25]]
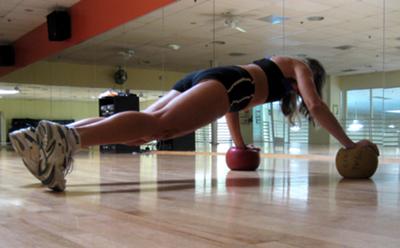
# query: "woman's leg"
[[155, 106], [184, 113], [160, 103], [85, 122]]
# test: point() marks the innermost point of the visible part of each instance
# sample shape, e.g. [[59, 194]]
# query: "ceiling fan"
[[228, 20], [234, 23], [126, 54]]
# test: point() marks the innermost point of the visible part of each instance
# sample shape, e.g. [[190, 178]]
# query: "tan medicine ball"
[[359, 162]]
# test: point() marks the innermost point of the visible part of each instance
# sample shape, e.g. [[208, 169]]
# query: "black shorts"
[[236, 80]]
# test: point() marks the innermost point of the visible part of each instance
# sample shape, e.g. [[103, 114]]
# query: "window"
[[271, 126], [373, 114]]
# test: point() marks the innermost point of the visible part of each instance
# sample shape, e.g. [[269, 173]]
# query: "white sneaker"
[[55, 153], [24, 143]]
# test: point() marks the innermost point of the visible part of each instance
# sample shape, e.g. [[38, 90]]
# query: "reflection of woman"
[[196, 100]]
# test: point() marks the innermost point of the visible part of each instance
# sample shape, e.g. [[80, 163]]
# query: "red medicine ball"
[[243, 159]]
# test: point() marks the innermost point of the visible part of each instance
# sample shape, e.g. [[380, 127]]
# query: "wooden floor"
[[193, 200]]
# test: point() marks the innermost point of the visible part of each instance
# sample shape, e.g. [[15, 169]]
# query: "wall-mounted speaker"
[[59, 25], [7, 55]]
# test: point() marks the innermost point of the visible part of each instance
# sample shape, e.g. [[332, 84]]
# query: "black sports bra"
[[278, 85]]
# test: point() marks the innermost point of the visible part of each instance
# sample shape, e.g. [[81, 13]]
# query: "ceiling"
[[18, 17], [370, 29]]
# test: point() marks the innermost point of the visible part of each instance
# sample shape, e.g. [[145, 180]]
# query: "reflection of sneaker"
[[55, 153], [24, 143]]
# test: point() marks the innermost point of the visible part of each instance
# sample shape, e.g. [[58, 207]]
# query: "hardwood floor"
[[193, 200]]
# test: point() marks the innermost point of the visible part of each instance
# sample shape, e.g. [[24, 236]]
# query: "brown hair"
[[292, 103]]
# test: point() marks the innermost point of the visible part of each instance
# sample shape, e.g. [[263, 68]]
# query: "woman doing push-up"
[[198, 99]]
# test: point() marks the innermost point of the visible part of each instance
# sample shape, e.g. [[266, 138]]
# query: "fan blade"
[[241, 29]]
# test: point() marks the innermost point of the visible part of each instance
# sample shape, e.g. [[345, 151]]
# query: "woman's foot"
[[57, 145]]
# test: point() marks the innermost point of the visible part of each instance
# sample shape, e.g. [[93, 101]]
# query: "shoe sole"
[[19, 147], [16, 143]]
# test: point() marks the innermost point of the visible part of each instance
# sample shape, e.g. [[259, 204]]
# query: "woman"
[[196, 100]]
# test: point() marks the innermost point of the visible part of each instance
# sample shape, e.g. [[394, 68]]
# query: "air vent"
[[315, 18], [344, 47], [218, 42]]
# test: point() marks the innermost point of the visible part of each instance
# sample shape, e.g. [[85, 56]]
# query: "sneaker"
[[55, 153], [24, 143]]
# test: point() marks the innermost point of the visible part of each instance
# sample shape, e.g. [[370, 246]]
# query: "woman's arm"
[[318, 109], [232, 119]]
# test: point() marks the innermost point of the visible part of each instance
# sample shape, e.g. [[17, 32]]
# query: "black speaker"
[[59, 25], [183, 143], [7, 55], [112, 105]]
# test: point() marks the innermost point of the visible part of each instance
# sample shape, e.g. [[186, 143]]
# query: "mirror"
[[357, 42]]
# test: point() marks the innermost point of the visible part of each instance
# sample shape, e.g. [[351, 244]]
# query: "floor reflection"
[[296, 198]]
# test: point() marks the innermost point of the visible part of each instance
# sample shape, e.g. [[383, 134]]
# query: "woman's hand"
[[367, 143]]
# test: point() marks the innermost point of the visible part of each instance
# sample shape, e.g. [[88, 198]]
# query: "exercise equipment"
[[358, 162], [243, 159]]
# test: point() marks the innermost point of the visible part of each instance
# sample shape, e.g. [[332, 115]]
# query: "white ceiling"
[[18, 17], [362, 24], [372, 30]]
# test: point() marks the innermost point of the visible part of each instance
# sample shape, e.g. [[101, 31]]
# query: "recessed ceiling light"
[[9, 92], [236, 54], [355, 126], [395, 111], [315, 18], [174, 46], [274, 19]]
